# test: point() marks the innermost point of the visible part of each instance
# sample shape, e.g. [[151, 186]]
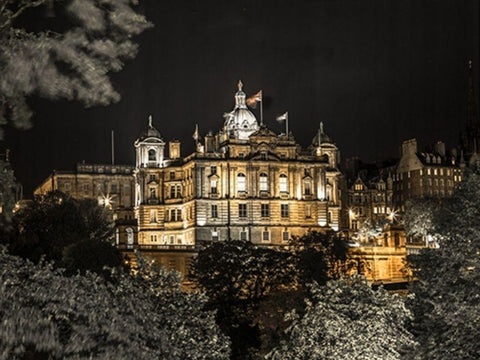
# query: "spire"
[[471, 104], [321, 127], [150, 121], [240, 97]]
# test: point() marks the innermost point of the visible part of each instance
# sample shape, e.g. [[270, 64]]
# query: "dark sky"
[[376, 72]]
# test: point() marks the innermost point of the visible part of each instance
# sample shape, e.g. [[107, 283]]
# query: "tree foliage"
[[8, 188], [76, 234], [252, 287], [70, 58], [346, 319], [45, 315], [446, 305]]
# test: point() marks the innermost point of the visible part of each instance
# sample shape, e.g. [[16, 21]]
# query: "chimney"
[[209, 143], [440, 148], [174, 149]]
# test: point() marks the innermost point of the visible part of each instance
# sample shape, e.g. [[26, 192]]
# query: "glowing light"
[[322, 222], [392, 216], [201, 222], [351, 213]]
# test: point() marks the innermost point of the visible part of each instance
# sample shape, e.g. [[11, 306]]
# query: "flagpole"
[[286, 126], [261, 111]]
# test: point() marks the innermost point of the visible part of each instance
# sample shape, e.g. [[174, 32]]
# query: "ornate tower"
[[240, 123], [323, 146], [149, 147]]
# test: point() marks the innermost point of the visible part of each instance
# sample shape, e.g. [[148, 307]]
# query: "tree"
[[446, 306], [251, 286], [419, 217], [319, 257], [8, 188], [61, 228], [46, 315], [346, 319], [70, 58], [236, 276]]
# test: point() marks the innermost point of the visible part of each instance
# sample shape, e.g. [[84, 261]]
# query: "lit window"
[[283, 183], [241, 183], [242, 210], [213, 186], [265, 210], [308, 211], [214, 211], [153, 216], [434, 171], [284, 210], [429, 172], [263, 182], [215, 235]]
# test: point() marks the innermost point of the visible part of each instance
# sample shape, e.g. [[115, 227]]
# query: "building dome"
[[150, 131], [321, 137], [240, 122]]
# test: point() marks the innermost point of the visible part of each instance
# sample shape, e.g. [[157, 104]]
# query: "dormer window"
[[152, 155]]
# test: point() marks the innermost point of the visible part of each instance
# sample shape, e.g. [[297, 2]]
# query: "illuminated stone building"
[[244, 182], [370, 201], [111, 185], [424, 174]]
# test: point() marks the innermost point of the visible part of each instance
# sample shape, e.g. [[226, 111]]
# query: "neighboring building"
[[370, 201], [111, 185], [424, 174], [244, 182]]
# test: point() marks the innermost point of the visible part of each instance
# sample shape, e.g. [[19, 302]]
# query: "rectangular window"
[[284, 210], [215, 235], [214, 211], [179, 215], [152, 177], [153, 216], [354, 225], [172, 239], [285, 236], [213, 186], [172, 175], [242, 210], [153, 193], [265, 210], [243, 235], [265, 235], [308, 188], [308, 211], [172, 192], [153, 238], [213, 170], [179, 191], [283, 183], [85, 188]]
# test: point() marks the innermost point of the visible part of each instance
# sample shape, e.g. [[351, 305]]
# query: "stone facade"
[[244, 182]]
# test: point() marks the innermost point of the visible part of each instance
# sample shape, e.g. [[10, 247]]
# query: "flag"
[[195, 134], [253, 100], [283, 117]]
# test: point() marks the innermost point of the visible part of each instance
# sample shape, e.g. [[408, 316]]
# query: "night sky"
[[376, 72]]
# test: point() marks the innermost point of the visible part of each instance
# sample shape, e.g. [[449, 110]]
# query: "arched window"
[[129, 233], [283, 183], [263, 182], [152, 155], [241, 182], [397, 240]]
